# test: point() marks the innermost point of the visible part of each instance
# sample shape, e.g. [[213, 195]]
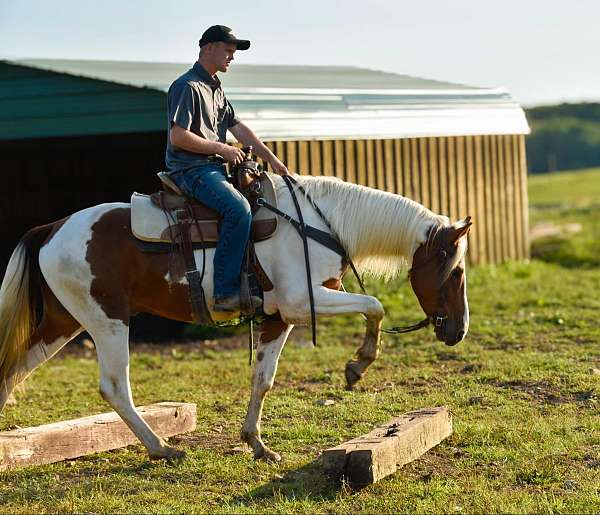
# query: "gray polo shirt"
[[196, 102]]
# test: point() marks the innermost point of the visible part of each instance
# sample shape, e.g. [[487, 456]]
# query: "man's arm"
[[187, 140], [246, 137]]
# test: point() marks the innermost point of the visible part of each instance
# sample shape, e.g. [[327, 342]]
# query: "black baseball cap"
[[218, 33]]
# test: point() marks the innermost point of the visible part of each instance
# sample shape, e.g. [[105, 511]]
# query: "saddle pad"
[[150, 223]]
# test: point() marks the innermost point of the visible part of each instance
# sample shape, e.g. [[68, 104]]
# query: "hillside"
[[563, 137]]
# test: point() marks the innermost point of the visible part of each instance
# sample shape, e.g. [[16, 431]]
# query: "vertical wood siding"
[[481, 176]]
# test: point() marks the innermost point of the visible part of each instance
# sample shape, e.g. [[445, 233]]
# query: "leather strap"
[[200, 313], [301, 228]]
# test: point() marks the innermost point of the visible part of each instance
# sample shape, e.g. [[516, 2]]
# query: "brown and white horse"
[[86, 273]]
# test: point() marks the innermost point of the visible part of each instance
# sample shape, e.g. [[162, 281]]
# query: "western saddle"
[[169, 221]]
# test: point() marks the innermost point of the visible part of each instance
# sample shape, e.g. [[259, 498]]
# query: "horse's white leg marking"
[[267, 357], [113, 356]]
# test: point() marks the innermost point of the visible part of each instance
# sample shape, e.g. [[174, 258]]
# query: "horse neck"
[[379, 230]]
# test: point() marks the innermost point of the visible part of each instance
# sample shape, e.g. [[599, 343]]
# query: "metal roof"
[[287, 102]]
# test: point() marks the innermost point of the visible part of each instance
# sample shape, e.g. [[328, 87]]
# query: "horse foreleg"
[[331, 302], [365, 355], [273, 336], [112, 347]]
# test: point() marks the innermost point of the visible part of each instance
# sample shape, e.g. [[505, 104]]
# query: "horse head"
[[439, 280]]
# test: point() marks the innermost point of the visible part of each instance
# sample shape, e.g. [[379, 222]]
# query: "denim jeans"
[[207, 183]]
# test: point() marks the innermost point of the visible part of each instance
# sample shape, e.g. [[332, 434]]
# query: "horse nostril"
[[460, 336]]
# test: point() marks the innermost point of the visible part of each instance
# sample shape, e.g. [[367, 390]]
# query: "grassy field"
[[522, 389]]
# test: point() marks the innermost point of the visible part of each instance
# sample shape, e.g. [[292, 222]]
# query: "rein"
[[331, 241]]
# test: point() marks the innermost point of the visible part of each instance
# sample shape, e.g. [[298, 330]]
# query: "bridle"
[[437, 318]]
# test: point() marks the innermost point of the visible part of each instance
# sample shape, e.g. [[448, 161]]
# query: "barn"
[[77, 133]]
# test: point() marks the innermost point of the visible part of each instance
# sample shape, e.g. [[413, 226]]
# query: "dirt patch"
[[551, 230], [431, 465], [544, 392], [214, 439], [84, 347]]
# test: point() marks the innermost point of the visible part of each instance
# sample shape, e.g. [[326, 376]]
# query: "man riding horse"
[[199, 117]]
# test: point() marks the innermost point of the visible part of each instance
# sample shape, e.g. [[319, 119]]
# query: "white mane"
[[379, 230]]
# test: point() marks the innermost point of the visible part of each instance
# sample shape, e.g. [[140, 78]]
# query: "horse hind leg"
[[112, 347], [274, 334]]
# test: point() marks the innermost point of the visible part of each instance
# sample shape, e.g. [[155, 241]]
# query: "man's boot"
[[232, 303]]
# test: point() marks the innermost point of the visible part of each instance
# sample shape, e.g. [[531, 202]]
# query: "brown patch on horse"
[[271, 329], [437, 278], [127, 280], [335, 283], [107, 258], [56, 321]]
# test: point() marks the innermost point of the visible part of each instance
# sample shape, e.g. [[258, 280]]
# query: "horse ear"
[[461, 230]]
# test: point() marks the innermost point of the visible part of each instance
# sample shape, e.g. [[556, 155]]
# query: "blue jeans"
[[207, 183]]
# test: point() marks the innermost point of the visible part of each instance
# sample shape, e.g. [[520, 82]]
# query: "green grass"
[[525, 405], [567, 198]]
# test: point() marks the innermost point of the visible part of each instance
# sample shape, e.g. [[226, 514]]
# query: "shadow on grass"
[[563, 253], [309, 482]]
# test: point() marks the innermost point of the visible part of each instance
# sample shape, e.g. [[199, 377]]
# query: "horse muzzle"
[[449, 332]]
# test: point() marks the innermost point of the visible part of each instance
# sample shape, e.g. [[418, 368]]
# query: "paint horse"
[[85, 272]]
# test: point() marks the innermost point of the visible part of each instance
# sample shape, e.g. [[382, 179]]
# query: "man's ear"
[[460, 230]]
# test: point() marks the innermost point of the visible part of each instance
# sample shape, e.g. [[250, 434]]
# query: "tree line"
[[563, 137]]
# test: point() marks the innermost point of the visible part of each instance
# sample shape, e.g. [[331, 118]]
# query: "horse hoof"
[[169, 454], [267, 455], [352, 377]]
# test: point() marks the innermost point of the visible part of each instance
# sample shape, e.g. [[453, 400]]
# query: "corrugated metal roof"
[[295, 102], [38, 104]]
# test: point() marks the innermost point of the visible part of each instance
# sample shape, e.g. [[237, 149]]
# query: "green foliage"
[[562, 199], [563, 137]]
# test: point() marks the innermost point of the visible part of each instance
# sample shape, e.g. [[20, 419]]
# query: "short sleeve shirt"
[[196, 102]]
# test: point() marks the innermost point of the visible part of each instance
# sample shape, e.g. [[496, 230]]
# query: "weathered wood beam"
[[87, 435], [371, 457]]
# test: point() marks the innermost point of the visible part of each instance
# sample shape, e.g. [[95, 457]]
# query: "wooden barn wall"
[[481, 176]]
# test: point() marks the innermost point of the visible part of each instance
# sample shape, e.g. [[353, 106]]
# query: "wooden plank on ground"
[[69, 439], [371, 457]]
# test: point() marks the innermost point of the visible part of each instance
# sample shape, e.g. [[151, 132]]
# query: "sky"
[[541, 51]]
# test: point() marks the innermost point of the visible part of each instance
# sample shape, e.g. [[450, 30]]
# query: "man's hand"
[[232, 154], [278, 166]]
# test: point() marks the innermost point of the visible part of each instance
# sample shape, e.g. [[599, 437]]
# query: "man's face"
[[221, 54]]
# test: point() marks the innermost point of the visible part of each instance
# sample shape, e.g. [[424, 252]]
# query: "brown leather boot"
[[232, 304]]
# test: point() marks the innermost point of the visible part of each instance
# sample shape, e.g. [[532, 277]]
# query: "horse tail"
[[21, 302]]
